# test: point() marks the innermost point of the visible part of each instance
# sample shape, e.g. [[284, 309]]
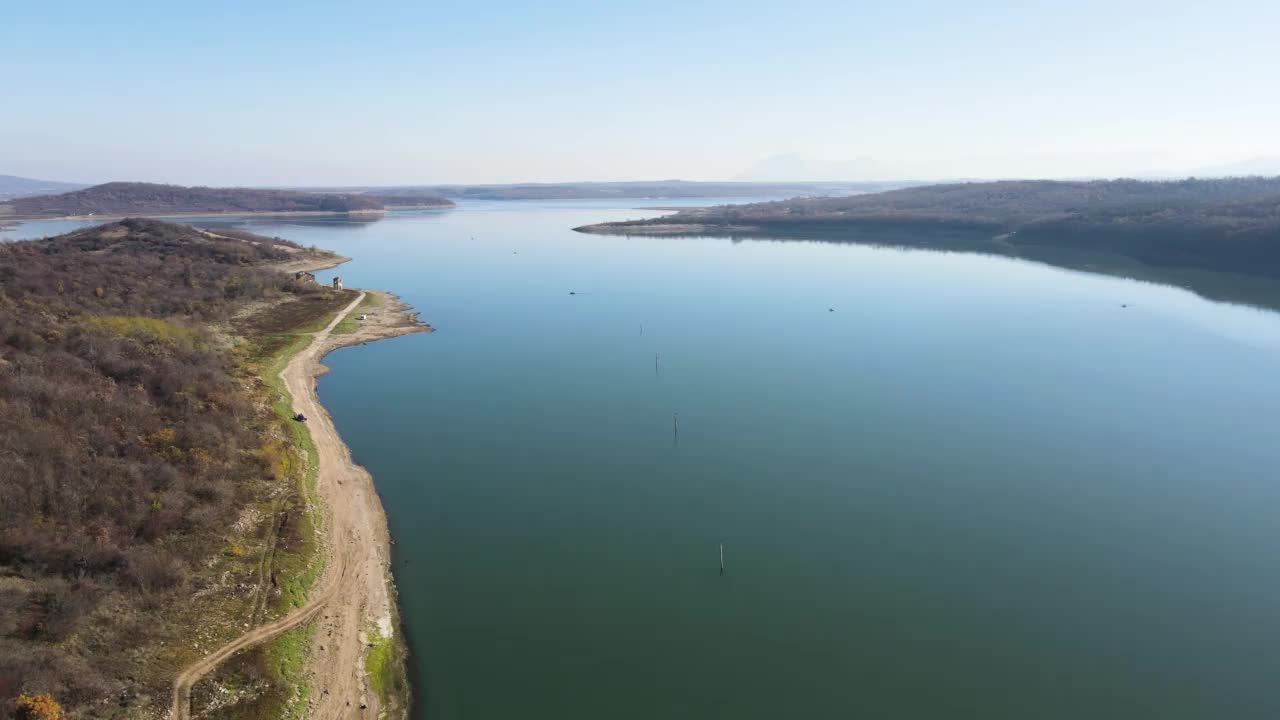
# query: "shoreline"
[[336, 662], [305, 264], [312, 265], [689, 228], [355, 593], [18, 219], [308, 264]]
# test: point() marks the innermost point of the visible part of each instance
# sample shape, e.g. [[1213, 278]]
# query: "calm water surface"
[[947, 485]]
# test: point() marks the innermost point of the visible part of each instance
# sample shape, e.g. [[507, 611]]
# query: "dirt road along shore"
[[352, 594]]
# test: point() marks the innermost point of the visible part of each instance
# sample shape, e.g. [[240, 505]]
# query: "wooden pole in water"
[[721, 558], [675, 428]]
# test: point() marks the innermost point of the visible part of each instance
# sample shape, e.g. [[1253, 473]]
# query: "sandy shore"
[[356, 529], [312, 265], [353, 593]]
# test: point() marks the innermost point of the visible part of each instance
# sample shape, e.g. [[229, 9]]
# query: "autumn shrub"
[[38, 707]]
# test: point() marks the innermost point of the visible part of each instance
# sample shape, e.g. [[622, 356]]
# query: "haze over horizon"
[[398, 93]]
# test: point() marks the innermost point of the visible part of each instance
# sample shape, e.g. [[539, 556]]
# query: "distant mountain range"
[[1262, 165], [791, 167], [654, 190], [794, 166], [128, 198], [12, 186]]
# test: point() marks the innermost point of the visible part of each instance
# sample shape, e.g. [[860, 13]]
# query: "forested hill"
[[130, 198], [141, 465], [1222, 224]]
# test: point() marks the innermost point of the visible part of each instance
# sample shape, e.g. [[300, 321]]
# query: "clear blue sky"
[[418, 92]]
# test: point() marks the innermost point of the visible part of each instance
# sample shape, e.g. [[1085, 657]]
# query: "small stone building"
[[337, 283]]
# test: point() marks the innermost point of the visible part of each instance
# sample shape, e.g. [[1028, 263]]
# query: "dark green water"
[[978, 488]]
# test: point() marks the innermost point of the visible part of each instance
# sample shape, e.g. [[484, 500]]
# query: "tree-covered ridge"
[[1006, 204], [130, 441], [131, 198]]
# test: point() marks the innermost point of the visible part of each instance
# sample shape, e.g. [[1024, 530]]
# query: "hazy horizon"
[[745, 178], [397, 94]]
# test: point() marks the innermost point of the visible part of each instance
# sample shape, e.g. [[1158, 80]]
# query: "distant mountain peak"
[[1262, 165], [13, 186], [795, 167]]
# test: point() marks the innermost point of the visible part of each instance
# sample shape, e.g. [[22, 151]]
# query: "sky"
[[384, 93]]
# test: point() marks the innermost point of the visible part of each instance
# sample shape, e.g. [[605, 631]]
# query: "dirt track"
[[351, 595]]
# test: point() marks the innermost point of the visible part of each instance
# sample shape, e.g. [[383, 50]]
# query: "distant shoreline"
[[674, 228], [17, 219], [134, 199]]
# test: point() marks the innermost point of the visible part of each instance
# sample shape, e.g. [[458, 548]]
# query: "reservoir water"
[[947, 485]]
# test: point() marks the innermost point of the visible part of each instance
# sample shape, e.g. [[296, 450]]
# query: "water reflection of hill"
[[1239, 288]]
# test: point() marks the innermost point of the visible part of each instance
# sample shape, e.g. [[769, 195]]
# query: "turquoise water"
[[947, 485]]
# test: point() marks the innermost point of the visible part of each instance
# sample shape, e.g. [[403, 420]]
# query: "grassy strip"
[[379, 662], [286, 656], [386, 665], [350, 324], [298, 566], [282, 405]]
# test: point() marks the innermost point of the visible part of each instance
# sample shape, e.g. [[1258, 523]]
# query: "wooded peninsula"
[[117, 199], [160, 494], [1225, 225]]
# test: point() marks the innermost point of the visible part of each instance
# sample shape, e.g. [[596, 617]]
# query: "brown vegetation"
[[130, 440]]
